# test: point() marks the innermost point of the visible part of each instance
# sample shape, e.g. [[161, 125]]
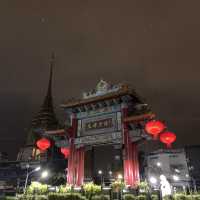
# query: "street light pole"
[[101, 176], [28, 174]]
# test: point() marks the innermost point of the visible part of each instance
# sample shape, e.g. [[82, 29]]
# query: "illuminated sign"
[[98, 124], [104, 123]]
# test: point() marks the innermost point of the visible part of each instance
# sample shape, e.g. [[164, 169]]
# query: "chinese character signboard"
[[98, 124], [104, 123]]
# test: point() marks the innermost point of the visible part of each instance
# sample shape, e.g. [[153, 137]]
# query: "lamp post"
[[101, 175], [28, 174]]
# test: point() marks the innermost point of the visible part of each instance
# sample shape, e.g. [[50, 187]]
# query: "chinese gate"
[[105, 118]]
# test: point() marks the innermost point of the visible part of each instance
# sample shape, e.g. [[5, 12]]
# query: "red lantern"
[[43, 144], [65, 151], [154, 127], [168, 138]]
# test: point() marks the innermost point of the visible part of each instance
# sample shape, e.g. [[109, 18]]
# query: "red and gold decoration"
[[43, 144], [65, 151], [167, 138], [154, 128]]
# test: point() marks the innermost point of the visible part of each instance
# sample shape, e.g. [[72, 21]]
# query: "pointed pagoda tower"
[[44, 120]]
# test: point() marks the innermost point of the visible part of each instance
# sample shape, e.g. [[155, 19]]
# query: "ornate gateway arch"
[[109, 117]]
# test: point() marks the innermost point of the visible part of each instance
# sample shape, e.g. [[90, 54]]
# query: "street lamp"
[[120, 177], [177, 170], [153, 180], [101, 174], [28, 174], [158, 164], [175, 177], [44, 174]]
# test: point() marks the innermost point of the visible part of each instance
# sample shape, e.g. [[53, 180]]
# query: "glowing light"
[[100, 172], [153, 180], [44, 174], [43, 144], [176, 178], [158, 164], [168, 138], [65, 151], [37, 169], [154, 127], [119, 176], [177, 170]]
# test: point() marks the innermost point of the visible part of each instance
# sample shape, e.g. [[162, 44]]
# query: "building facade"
[[192, 153], [172, 163]]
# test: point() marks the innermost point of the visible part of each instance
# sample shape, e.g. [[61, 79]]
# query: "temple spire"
[[46, 118], [48, 102]]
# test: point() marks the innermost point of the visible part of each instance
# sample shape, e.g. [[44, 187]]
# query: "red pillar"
[[131, 166], [71, 160], [75, 173], [80, 166]]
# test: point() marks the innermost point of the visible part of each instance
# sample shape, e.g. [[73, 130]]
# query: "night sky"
[[154, 45]]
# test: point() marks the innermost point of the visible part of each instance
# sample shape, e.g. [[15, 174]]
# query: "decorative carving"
[[114, 137], [102, 88]]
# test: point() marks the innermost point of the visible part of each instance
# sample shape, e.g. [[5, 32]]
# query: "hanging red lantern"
[[167, 138], [154, 127], [43, 144], [65, 151]]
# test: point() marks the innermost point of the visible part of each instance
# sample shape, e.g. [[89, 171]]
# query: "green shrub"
[[32, 197], [65, 188], [90, 189], [56, 196], [129, 197], [196, 197], [117, 186], [10, 198], [189, 197], [37, 188], [26, 197], [180, 197], [41, 197], [66, 196], [74, 196], [141, 197], [100, 197], [143, 187], [170, 197], [154, 197]]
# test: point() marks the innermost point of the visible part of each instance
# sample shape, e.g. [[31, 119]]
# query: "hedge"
[[129, 197], [32, 197], [66, 196], [100, 197]]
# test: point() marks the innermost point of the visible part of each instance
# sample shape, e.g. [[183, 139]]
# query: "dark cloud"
[[153, 45]]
